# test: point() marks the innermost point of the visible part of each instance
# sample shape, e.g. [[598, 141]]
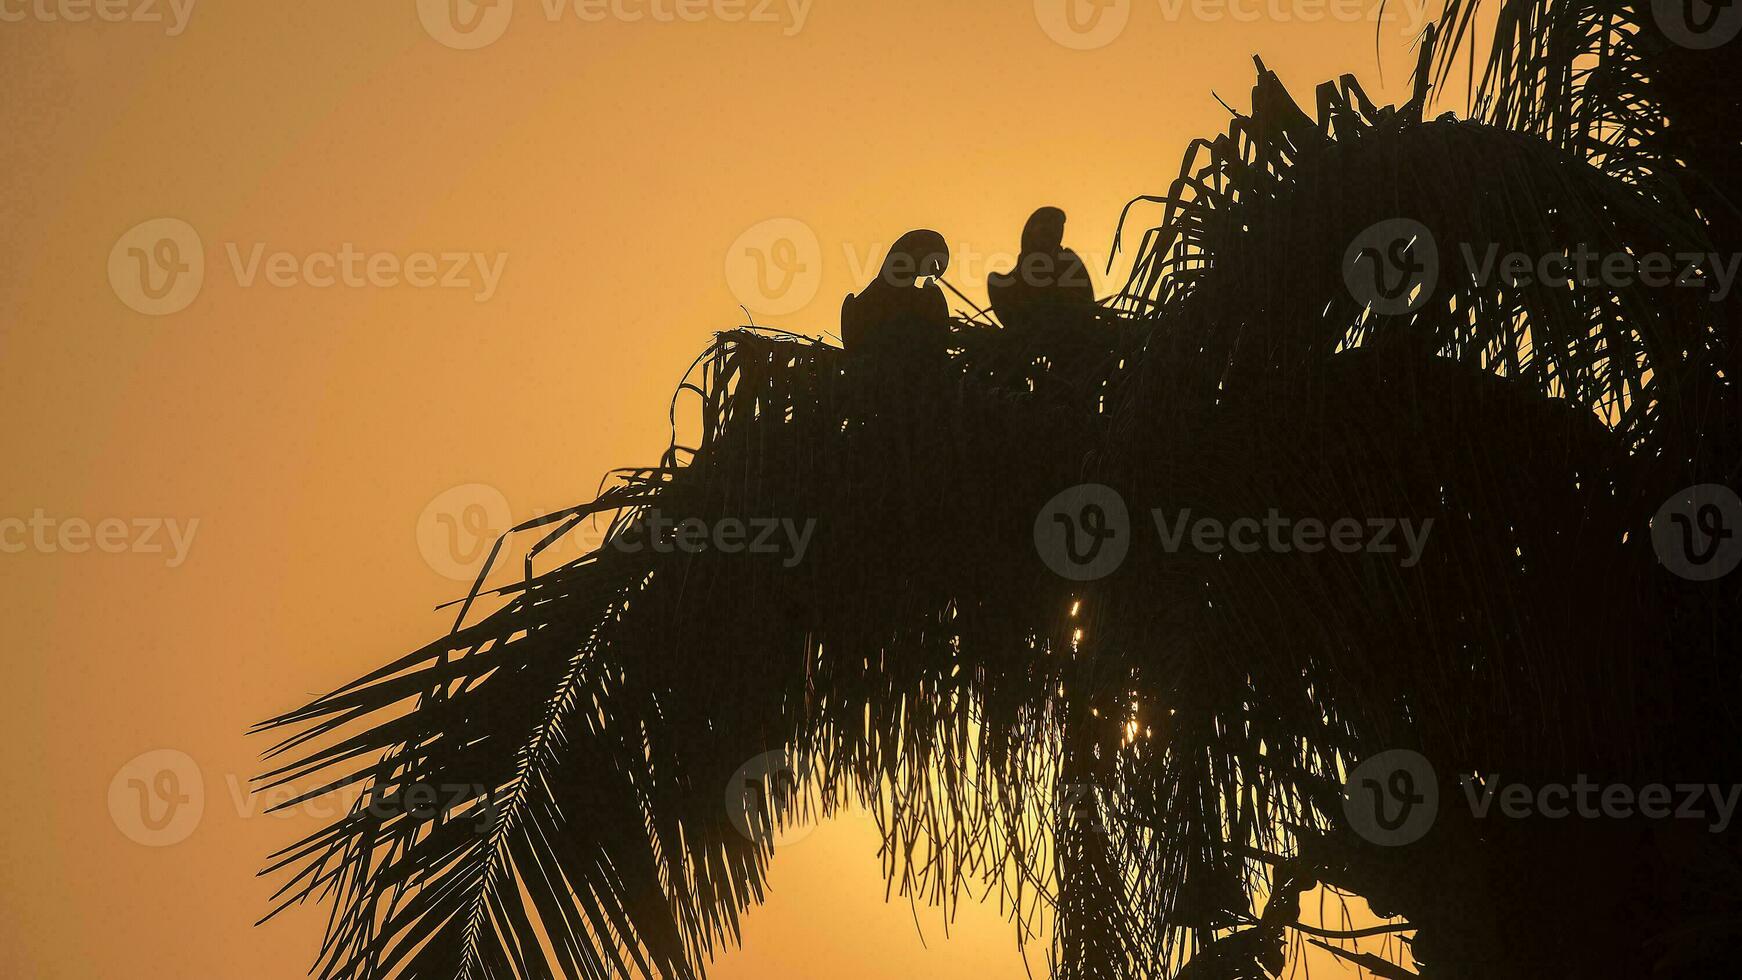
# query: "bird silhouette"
[[1050, 283], [895, 315]]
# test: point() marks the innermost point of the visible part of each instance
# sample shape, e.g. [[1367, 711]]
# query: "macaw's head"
[[917, 255], [1045, 231]]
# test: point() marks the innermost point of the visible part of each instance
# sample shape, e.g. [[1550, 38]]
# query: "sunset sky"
[[431, 280]]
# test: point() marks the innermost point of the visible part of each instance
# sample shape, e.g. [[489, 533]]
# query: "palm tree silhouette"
[[1153, 759]]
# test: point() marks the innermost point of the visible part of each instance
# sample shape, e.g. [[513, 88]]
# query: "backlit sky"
[[441, 288]]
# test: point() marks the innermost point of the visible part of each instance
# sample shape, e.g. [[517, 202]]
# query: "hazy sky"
[[421, 290]]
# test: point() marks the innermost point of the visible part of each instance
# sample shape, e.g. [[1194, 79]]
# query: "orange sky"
[[338, 434]]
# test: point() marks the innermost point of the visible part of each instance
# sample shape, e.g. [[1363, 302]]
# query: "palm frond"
[[1147, 758]]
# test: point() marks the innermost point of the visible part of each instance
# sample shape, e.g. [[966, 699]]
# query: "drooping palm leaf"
[[1147, 758]]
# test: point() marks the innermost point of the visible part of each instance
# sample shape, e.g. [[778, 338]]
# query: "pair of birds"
[[904, 311]]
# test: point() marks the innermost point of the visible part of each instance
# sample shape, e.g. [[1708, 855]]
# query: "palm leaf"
[[1144, 758]]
